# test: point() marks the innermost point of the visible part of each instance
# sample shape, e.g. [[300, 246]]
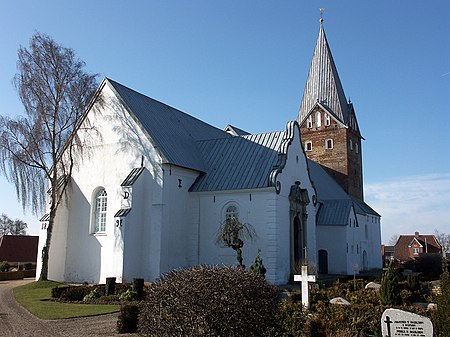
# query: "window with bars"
[[232, 212], [101, 205]]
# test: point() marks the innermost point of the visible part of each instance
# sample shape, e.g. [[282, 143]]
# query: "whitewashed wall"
[[333, 239], [112, 150]]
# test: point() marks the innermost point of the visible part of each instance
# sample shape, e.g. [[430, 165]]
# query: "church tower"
[[329, 128]]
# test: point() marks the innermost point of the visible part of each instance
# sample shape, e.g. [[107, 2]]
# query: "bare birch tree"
[[37, 149], [234, 234]]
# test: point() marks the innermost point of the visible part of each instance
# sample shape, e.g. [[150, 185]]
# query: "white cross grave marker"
[[304, 278]]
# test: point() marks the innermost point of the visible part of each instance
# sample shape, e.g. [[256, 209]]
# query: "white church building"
[[154, 185]]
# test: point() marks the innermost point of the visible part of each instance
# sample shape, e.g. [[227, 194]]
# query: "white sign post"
[[304, 278]]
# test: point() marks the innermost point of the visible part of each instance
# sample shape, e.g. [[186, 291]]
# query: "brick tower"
[[329, 128]]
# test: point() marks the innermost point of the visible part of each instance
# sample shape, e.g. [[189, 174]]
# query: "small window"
[[350, 144], [101, 205], [356, 148], [327, 120], [416, 251], [232, 212], [329, 144], [318, 119], [308, 146], [309, 122]]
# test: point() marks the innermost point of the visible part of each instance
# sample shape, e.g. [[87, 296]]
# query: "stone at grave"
[[373, 285], [396, 323], [431, 306], [339, 300], [304, 278]]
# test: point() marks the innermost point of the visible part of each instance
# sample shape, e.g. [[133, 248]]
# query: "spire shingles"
[[323, 85]]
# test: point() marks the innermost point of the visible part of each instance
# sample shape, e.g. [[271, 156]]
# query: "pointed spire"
[[323, 84]]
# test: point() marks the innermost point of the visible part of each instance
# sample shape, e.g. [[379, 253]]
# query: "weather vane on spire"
[[321, 14]]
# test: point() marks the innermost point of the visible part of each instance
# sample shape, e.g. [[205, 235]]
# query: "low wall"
[[17, 275]]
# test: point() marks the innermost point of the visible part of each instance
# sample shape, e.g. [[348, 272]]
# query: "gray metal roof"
[[362, 208], [239, 162], [323, 84], [173, 132], [231, 129], [330, 194], [334, 212], [326, 187]]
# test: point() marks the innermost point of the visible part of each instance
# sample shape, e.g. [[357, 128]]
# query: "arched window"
[[327, 120], [101, 203], [318, 119], [329, 144], [309, 122], [232, 212]]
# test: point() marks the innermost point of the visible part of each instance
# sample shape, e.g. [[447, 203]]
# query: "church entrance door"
[[298, 200], [323, 261]]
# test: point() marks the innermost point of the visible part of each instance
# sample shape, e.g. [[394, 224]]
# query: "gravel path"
[[16, 321]]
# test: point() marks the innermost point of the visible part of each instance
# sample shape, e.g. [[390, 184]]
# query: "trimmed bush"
[[71, 293], [128, 318], [209, 301]]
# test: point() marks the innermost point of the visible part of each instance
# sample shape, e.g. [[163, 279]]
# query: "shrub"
[[109, 298], [257, 266], [128, 318], [4, 266], [428, 264], [442, 314], [292, 318], [389, 291], [209, 301], [74, 293], [93, 295], [129, 295]]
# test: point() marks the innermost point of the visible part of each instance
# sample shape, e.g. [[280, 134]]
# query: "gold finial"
[[321, 14]]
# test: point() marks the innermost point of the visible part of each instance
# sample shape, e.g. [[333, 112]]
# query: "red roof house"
[[412, 246], [18, 248]]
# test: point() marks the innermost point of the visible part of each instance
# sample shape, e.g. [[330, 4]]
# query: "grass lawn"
[[36, 298]]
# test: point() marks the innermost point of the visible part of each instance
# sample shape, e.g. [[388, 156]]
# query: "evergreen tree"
[[390, 292], [442, 314]]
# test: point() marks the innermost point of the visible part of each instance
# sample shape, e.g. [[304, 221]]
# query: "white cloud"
[[412, 203]]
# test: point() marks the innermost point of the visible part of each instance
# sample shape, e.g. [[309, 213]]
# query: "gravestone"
[[399, 323], [373, 285], [340, 301], [304, 278]]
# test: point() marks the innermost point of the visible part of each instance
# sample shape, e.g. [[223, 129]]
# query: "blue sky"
[[246, 63]]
